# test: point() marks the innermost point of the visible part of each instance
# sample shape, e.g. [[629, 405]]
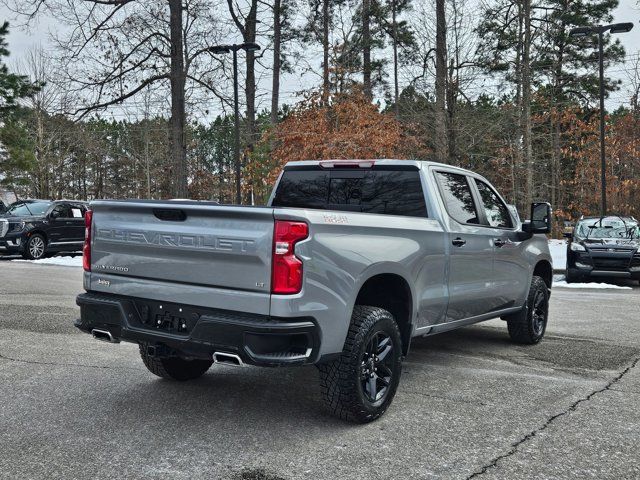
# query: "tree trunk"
[[441, 86], [250, 82], [555, 157], [526, 103], [396, 89], [275, 84], [325, 50], [366, 48], [177, 140], [452, 98]]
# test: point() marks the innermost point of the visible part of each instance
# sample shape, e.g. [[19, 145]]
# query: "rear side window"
[[390, 192], [496, 211], [457, 197], [63, 210]]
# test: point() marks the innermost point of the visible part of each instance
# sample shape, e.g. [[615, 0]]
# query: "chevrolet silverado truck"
[[345, 265]]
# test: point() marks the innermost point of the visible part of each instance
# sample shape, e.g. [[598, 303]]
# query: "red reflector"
[[286, 273], [86, 248]]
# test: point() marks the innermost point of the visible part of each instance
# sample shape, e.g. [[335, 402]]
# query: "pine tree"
[[12, 86]]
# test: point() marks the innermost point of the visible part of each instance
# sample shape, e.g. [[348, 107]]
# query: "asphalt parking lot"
[[470, 404]]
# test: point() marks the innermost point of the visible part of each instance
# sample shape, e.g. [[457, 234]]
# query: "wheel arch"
[[392, 292], [544, 270], [38, 231]]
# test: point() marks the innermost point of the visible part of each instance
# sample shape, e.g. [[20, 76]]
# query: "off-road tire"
[[174, 368], [341, 379], [32, 253], [529, 325]]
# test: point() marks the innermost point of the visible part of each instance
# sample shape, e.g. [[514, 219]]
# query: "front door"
[[510, 269], [470, 247]]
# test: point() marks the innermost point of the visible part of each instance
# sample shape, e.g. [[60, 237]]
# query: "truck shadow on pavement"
[[271, 398], [266, 397]]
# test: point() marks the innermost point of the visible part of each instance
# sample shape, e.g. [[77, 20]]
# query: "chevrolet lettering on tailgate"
[[164, 239]]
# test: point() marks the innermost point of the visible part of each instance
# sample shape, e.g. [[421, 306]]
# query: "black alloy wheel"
[[376, 368], [540, 311]]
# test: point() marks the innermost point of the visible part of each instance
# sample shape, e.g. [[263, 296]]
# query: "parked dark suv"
[[35, 228], [601, 247]]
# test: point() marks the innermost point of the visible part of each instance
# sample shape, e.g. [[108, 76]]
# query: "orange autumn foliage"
[[622, 161], [349, 126]]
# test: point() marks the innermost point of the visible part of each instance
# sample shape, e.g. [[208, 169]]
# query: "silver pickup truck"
[[347, 262]]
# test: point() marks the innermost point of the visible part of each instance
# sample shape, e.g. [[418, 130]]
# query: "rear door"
[[510, 267], [471, 249], [76, 221], [61, 225], [184, 243]]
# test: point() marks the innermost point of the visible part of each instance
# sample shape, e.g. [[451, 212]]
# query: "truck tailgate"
[[199, 244]]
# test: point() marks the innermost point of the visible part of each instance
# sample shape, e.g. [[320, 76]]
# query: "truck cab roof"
[[368, 163]]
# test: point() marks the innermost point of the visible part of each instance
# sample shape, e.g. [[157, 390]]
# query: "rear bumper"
[[200, 332]]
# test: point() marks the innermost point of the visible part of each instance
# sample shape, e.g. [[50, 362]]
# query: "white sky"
[[21, 42]]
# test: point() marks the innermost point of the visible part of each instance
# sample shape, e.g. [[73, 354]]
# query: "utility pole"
[[600, 30], [247, 47]]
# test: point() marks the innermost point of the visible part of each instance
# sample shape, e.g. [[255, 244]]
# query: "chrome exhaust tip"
[[228, 359], [104, 336]]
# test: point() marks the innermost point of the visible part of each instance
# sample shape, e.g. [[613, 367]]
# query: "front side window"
[[29, 208], [496, 211], [457, 197]]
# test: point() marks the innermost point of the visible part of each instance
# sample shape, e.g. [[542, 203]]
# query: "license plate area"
[[167, 317]]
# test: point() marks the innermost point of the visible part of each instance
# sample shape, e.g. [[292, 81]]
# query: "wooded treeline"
[[131, 103]]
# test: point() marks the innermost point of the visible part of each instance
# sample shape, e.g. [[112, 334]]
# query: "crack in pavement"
[[515, 446], [56, 364]]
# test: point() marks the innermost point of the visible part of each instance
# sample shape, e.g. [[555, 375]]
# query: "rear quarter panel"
[[346, 249]]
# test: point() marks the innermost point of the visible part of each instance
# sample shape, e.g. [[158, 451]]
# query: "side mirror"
[[540, 218], [54, 214], [568, 235]]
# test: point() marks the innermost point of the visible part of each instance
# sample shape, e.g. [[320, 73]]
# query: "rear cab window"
[[389, 190]]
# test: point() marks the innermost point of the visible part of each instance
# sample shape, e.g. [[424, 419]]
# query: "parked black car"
[[35, 228], [602, 247]]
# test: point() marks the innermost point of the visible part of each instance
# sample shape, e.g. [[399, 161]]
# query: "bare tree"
[[246, 24], [113, 50], [366, 47], [634, 85], [526, 102], [277, 52], [442, 154]]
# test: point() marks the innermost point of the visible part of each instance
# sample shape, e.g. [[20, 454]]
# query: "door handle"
[[498, 242], [458, 242]]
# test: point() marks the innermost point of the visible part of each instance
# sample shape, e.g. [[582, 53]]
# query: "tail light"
[[286, 274], [86, 249]]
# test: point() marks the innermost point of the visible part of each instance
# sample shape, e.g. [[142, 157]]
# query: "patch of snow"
[[60, 261], [559, 282], [558, 249]]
